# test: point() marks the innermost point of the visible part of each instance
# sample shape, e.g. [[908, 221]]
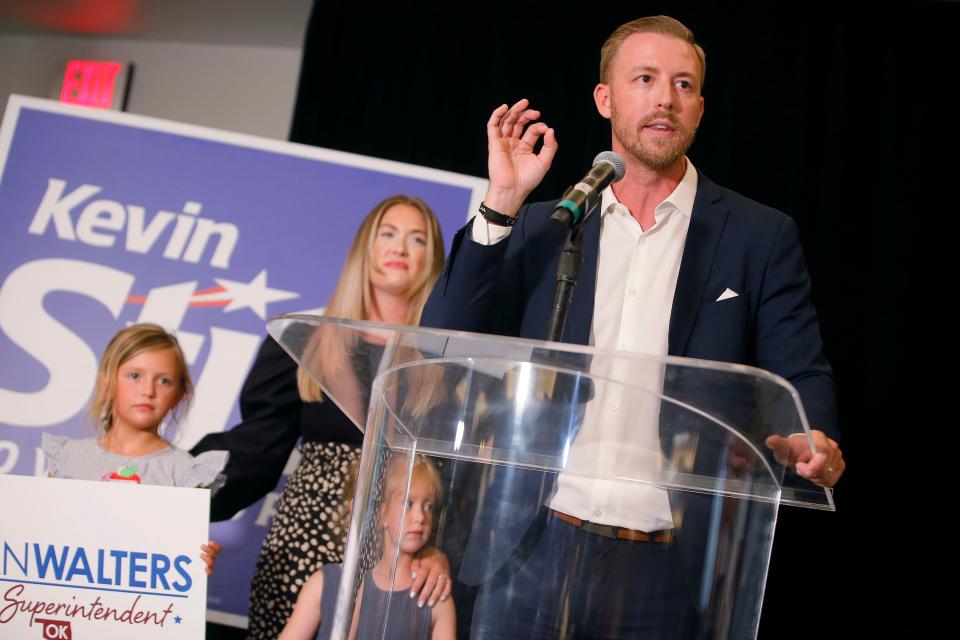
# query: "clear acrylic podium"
[[525, 435]]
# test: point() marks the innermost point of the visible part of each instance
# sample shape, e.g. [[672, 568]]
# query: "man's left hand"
[[822, 468]]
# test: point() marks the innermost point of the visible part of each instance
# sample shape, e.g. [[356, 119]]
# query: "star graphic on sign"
[[177, 619], [256, 294]]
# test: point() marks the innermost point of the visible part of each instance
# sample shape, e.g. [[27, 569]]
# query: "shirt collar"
[[680, 200]]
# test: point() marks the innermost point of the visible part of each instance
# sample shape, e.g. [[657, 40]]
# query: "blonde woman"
[[394, 259]]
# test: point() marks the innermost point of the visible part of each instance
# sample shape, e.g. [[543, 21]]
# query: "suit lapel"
[[706, 227]]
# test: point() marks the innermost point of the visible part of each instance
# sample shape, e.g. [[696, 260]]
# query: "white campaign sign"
[[83, 560]]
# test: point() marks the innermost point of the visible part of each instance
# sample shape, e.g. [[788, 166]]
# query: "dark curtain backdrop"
[[816, 109]]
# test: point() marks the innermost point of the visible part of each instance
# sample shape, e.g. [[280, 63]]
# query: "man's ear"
[[601, 97]]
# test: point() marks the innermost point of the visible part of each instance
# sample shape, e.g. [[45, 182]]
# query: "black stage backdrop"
[[815, 109]]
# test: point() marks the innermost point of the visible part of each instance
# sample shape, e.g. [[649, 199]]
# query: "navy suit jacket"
[[733, 242]]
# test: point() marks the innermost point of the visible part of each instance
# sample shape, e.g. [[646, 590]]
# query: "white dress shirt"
[[637, 275]]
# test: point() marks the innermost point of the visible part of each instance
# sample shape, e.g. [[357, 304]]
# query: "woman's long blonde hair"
[[352, 298]]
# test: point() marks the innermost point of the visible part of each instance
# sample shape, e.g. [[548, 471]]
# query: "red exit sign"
[[92, 83]]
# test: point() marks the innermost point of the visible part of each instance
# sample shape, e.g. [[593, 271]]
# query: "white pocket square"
[[727, 294]]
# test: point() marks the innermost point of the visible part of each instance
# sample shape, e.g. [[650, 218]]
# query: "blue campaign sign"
[[109, 218]]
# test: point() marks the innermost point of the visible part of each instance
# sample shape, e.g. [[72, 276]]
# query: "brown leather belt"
[[619, 533]]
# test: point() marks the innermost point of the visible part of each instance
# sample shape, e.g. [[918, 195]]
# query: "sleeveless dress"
[[405, 620]]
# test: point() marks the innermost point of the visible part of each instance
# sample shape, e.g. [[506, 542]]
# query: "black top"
[[273, 418]]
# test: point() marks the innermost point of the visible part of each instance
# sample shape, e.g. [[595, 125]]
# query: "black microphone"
[[581, 198]]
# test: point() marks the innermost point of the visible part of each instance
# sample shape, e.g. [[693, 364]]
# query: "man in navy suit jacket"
[[731, 281]]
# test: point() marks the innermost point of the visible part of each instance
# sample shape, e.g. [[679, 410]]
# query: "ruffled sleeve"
[[52, 447], [205, 470]]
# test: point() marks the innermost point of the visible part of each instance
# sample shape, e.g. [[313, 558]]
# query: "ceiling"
[[276, 23]]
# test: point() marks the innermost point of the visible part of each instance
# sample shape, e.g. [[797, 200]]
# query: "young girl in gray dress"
[[142, 378]]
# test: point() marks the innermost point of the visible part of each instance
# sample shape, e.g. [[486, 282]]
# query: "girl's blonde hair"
[[352, 298], [126, 344], [423, 469]]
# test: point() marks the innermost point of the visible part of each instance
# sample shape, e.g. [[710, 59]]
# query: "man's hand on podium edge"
[[822, 468]]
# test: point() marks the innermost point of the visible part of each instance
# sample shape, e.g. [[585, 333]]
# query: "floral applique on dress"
[[123, 474]]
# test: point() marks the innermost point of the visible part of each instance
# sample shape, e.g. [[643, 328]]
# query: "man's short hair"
[[664, 25]]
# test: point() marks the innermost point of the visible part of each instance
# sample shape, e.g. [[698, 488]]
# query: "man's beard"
[[658, 154]]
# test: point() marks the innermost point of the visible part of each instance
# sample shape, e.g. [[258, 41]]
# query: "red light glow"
[[90, 83]]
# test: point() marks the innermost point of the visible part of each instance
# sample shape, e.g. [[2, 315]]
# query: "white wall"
[[249, 89]]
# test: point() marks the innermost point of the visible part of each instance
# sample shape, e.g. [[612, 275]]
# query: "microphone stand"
[[575, 387], [568, 271]]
